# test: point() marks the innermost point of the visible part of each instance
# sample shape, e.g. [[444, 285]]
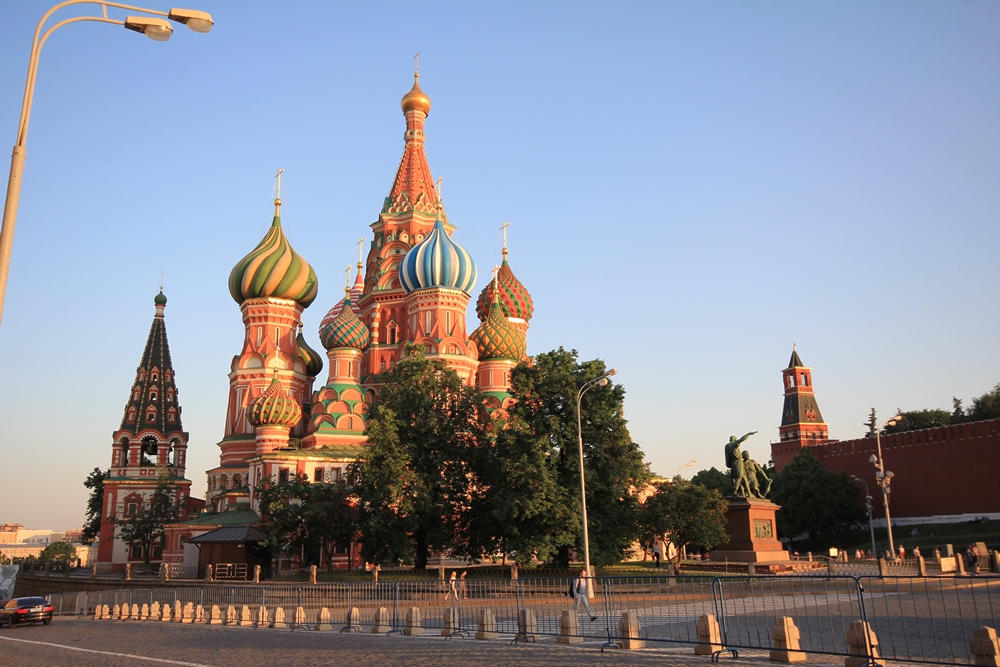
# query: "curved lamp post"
[[596, 382], [154, 27], [685, 465], [883, 477], [868, 508]]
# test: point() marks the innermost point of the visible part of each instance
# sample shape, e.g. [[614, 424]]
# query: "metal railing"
[[915, 619]]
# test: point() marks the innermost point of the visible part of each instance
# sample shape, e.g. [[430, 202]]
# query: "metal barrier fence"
[[915, 619]]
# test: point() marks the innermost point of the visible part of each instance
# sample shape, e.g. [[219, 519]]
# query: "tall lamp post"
[[883, 477], [596, 382], [868, 508], [153, 27], [685, 465]]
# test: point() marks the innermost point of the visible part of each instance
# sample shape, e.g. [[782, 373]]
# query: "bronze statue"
[[737, 470], [755, 473]]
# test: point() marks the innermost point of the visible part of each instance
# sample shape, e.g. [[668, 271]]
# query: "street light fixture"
[[596, 382], [884, 477], [155, 28], [685, 465], [868, 508]]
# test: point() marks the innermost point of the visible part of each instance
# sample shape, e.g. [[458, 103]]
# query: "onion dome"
[[496, 338], [160, 299], [437, 261], [274, 407], [344, 330], [273, 268], [514, 298], [416, 98], [311, 360]]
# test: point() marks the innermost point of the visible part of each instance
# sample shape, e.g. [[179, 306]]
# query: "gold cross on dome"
[[161, 280], [361, 250], [278, 178], [347, 277], [496, 272], [416, 63], [438, 188], [503, 228]]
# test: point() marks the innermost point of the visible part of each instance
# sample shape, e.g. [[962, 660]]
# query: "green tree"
[[95, 504], [713, 478], [986, 406], [58, 551], [815, 501], [416, 477], [546, 393], [284, 517], [146, 524], [333, 509], [914, 420], [687, 513]]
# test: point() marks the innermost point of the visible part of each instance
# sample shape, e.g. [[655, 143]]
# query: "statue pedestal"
[[753, 537]]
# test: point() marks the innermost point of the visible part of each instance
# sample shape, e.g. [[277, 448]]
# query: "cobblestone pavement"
[[88, 643]]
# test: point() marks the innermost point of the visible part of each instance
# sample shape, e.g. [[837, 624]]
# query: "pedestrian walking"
[[578, 589], [916, 552], [461, 585], [451, 587], [902, 552], [656, 552]]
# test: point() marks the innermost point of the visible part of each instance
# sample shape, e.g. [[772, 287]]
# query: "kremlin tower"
[[802, 424], [149, 446]]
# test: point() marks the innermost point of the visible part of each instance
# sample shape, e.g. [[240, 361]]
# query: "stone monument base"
[[753, 537]]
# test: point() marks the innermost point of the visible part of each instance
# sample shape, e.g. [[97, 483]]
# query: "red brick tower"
[[802, 424]]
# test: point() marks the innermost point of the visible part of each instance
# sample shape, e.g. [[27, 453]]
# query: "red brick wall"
[[944, 470]]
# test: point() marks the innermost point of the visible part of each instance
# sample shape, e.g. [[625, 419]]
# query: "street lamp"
[[155, 28], [685, 465], [868, 508], [596, 382], [883, 477]]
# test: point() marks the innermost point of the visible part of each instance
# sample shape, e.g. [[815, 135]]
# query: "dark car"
[[25, 610]]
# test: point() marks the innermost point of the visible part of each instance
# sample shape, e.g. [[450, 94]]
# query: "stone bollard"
[[375, 571], [513, 572], [487, 625], [93, 571], [569, 628], [188, 615], [984, 647], [709, 636], [116, 614], [155, 612], [312, 574], [215, 615], [97, 612], [452, 622], [323, 622], [128, 571], [144, 612], [105, 613], [134, 613], [859, 637], [809, 556], [178, 613], [381, 621], [300, 617], [751, 569], [785, 638], [628, 631], [164, 572], [959, 564], [527, 626], [256, 574], [921, 566], [279, 618], [671, 573], [208, 573], [883, 567], [231, 616], [165, 616], [246, 616], [199, 614], [414, 622], [263, 619], [353, 620]]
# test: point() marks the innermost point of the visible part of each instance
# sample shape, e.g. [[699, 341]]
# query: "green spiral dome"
[[311, 360], [496, 338], [274, 407], [273, 268], [344, 330]]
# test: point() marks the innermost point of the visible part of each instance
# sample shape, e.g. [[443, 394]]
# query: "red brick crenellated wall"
[[937, 471]]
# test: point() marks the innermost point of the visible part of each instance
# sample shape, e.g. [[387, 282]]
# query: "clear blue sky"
[[691, 186]]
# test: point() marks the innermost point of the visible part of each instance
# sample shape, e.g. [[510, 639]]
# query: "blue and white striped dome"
[[437, 262]]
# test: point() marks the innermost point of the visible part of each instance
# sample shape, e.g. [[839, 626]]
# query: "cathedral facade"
[[414, 285]]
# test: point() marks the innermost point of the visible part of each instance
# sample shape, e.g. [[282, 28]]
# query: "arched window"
[[237, 481], [170, 395], [136, 394], [805, 381], [152, 394], [131, 415], [391, 333]]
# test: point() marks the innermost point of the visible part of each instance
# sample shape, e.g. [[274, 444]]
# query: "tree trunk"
[[420, 556], [562, 558]]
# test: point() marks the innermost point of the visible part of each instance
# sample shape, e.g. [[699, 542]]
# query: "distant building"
[[946, 473]]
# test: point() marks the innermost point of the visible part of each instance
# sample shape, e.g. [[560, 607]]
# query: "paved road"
[[89, 643]]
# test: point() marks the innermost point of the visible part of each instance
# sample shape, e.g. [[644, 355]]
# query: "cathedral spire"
[[413, 188]]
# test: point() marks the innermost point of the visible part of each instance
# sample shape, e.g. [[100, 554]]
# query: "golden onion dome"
[[416, 98], [274, 407]]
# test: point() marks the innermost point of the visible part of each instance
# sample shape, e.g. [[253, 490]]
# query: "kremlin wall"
[[947, 473]]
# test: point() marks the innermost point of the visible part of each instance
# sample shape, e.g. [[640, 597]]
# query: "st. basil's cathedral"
[[414, 287]]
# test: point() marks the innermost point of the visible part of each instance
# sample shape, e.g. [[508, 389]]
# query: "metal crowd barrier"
[[915, 619]]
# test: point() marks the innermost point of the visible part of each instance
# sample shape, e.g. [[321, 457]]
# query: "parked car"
[[25, 610]]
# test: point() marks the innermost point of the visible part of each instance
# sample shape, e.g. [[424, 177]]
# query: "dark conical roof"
[[795, 362], [154, 392]]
